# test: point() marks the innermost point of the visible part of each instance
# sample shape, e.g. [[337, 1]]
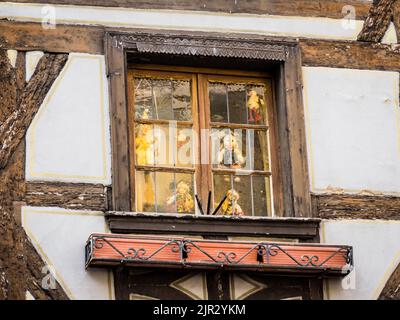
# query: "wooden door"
[[172, 284]]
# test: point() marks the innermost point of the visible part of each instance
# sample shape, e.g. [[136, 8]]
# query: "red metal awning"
[[107, 250]]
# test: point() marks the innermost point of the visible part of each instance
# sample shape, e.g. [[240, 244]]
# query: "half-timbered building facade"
[[222, 150]]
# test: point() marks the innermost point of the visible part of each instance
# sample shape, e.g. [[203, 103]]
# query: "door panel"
[[166, 284]]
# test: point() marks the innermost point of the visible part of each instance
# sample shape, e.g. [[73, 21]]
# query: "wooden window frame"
[[294, 193], [132, 121], [200, 108]]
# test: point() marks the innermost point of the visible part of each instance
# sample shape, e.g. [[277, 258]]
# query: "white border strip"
[[309, 27]]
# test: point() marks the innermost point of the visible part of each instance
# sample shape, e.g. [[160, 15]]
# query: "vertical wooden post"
[[116, 73], [296, 134]]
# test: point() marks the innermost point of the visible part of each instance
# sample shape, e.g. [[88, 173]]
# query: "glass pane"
[[163, 99], [242, 185], [184, 193], [237, 192], [165, 190], [222, 183], [144, 144], [173, 146], [218, 107], [256, 104], [258, 150], [228, 148], [143, 99], [174, 192], [262, 196], [164, 142], [181, 100], [237, 103], [145, 191], [246, 195], [185, 147]]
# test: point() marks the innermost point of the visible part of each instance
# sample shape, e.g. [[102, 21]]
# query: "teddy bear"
[[229, 152], [255, 105], [182, 197], [231, 207]]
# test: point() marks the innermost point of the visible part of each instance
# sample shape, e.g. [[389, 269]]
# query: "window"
[[285, 172], [196, 131]]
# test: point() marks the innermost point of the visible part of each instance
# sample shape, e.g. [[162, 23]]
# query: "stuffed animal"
[[229, 153], [144, 142], [255, 105], [231, 207], [183, 198]]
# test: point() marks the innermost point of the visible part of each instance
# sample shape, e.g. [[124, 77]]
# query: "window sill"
[[303, 229]]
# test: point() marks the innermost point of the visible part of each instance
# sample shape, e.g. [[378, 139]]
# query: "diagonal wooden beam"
[[396, 19], [8, 85], [378, 21], [15, 125], [391, 291]]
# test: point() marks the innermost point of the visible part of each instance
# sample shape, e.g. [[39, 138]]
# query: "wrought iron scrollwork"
[[226, 257], [133, 253]]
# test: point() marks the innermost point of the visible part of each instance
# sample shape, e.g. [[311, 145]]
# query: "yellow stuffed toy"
[[182, 198], [255, 105], [231, 207]]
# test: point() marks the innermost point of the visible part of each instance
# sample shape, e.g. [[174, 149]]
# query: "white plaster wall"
[[31, 60], [390, 36], [59, 236], [69, 138], [12, 57], [311, 27], [376, 247], [353, 129]]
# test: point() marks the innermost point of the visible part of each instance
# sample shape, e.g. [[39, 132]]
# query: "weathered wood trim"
[[350, 54], [30, 36], [76, 196], [14, 127], [116, 73], [308, 8], [396, 19], [391, 291], [349, 206], [283, 148], [22, 266], [296, 134], [89, 39], [8, 92], [35, 266], [216, 226], [377, 22]]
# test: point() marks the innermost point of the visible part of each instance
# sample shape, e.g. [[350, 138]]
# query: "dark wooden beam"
[[324, 53], [67, 195], [350, 54], [391, 291], [21, 265], [14, 127], [296, 134], [396, 19], [29, 36], [378, 20], [116, 73], [335, 206], [303, 229], [309, 8]]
